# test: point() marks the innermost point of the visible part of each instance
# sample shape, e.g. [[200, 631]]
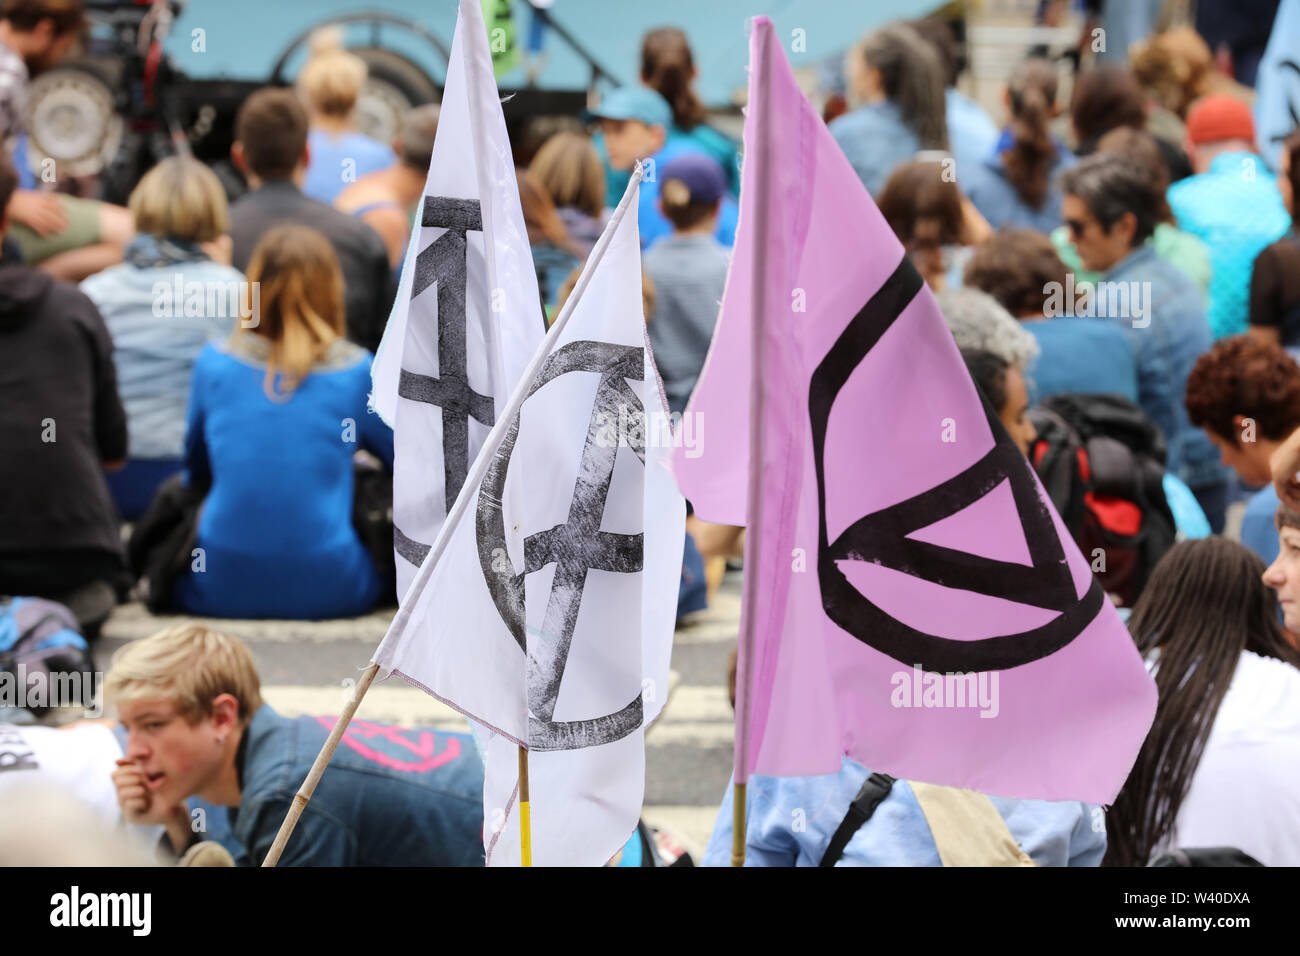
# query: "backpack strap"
[[967, 828], [874, 789]]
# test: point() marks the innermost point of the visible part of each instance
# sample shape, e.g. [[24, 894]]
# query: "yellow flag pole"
[[525, 824], [738, 825]]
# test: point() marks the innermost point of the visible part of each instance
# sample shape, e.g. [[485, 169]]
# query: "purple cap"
[[700, 174]]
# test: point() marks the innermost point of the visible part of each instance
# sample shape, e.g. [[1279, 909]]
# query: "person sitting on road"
[[183, 252], [63, 426], [276, 415], [190, 701], [271, 149]]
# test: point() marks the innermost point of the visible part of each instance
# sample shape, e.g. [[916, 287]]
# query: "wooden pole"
[[525, 823], [318, 768], [756, 153]]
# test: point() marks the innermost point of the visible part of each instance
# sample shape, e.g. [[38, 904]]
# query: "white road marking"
[[132, 622]]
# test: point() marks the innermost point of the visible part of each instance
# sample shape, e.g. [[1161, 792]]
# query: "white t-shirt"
[[79, 760], [1245, 792]]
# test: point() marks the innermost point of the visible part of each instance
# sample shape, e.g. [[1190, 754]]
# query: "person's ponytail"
[[1028, 162], [912, 78], [667, 67]]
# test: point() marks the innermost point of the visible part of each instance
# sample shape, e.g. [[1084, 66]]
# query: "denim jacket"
[[875, 139], [1167, 347], [996, 198], [391, 796]]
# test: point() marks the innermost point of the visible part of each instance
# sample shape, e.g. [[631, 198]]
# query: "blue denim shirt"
[[1166, 350], [875, 140], [391, 796], [791, 821], [989, 189], [1235, 209]]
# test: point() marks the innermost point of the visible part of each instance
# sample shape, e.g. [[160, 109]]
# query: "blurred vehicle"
[[158, 79], [161, 76]]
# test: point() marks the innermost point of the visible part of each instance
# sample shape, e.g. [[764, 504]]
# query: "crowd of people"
[[190, 375]]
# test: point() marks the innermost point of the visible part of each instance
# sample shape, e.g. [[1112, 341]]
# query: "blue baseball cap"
[[635, 103], [700, 174]]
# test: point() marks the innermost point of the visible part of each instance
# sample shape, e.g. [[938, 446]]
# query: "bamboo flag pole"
[[318, 768], [525, 823], [757, 149]]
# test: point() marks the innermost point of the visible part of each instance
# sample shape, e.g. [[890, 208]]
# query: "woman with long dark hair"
[[1221, 764], [1014, 186], [899, 80]]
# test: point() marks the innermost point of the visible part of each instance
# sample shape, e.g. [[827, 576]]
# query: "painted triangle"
[[960, 531]]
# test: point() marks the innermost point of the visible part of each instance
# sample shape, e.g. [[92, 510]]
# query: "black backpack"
[[1102, 463]]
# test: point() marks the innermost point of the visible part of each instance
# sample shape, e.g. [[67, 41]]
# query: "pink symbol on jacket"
[[423, 747]]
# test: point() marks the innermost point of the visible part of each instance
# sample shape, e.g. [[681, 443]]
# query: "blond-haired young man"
[[190, 701]]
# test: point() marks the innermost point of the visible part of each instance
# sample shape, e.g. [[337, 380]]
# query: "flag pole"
[[525, 823], [308, 787], [756, 151]]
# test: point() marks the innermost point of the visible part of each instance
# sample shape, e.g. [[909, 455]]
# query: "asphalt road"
[[307, 667]]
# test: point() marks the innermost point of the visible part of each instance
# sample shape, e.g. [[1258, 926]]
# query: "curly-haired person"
[[1245, 394]]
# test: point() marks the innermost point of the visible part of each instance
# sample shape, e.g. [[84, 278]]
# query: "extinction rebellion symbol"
[[444, 262], [575, 547], [881, 536]]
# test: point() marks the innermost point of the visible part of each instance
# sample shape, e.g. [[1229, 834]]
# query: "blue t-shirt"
[[337, 161], [1080, 355], [653, 224], [1258, 530], [276, 527]]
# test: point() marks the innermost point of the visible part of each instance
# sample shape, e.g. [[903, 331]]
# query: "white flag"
[[546, 610], [467, 318]]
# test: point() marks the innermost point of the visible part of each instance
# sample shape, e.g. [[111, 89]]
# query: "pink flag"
[[913, 599]]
